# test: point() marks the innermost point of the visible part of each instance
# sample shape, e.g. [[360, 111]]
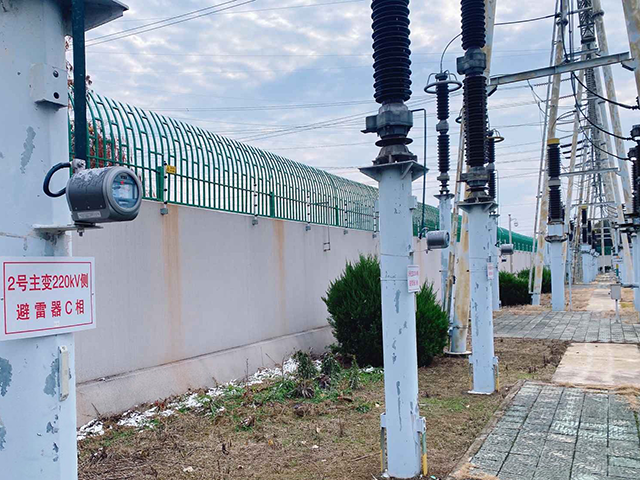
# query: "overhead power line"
[[195, 14]]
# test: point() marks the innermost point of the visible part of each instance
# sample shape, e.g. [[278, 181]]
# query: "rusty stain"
[[5, 376], [29, 147], [281, 273], [172, 264]]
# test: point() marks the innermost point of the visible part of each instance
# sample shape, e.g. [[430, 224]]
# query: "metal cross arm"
[[560, 69], [590, 172]]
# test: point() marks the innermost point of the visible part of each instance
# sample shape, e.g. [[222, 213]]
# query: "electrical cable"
[[164, 20], [623, 105], [553, 15], [158, 27]]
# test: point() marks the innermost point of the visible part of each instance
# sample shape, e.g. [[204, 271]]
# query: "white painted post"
[[401, 419], [495, 258], [483, 359], [37, 421], [585, 251], [444, 210], [555, 239]]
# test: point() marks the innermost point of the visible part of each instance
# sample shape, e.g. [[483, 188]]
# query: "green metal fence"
[[185, 165]]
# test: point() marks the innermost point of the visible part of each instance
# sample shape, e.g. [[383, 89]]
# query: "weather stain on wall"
[[5, 376], [51, 381], [29, 147]]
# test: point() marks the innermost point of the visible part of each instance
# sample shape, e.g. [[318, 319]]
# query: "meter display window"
[[125, 191]]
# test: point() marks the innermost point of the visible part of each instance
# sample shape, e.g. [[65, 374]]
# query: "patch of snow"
[[194, 401], [138, 419], [91, 429]]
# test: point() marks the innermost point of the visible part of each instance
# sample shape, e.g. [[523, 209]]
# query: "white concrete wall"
[[521, 260], [198, 296]]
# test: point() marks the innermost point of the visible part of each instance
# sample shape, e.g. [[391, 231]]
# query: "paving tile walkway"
[[557, 433], [584, 327]]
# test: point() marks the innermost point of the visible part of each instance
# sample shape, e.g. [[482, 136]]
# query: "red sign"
[[413, 278], [46, 296]]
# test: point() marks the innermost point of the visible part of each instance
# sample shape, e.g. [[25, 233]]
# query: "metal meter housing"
[[100, 195]]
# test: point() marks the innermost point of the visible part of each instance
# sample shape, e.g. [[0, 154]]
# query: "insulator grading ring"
[[454, 86]]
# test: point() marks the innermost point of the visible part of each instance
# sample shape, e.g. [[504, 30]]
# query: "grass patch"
[[266, 432]]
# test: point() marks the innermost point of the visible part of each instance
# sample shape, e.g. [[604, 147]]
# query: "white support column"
[[483, 360], [585, 251], [495, 258], [402, 417], [401, 420], [444, 210], [556, 240], [37, 429], [632, 17]]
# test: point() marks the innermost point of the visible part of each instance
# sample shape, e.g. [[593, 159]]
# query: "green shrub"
[[514, 290], [546, 278], [432, 325], [354, 304]]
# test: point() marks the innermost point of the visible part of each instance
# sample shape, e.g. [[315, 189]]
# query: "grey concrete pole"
[[511, 242], [444, 210], [495, 257], [483, 359], [556, 232], [632, 17], [37, 429], [401, 421]]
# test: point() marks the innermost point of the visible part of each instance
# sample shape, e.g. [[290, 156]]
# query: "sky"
[[265, 71]]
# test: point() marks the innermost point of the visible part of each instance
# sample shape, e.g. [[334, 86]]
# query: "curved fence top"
[[183, 164]]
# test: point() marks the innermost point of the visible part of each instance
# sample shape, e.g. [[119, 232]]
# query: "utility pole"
[[510, 242], [555, 230], [478, 203], [614, 112], [395, 169], [494, 217], [551, 133], [566, 246], [632, 18], [37, 376], [444, 85], [460, 261]]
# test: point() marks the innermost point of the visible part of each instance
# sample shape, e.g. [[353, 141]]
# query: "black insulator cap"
[[442, 98], [491, 150], [391, 52], [443, 153], [555, 204], [553, 158], [473, 24], [492, 185]]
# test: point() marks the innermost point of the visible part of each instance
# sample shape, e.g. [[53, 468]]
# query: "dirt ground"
[[334, 439]]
